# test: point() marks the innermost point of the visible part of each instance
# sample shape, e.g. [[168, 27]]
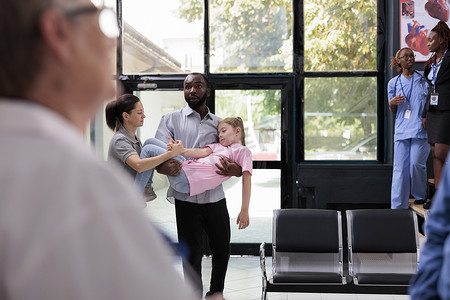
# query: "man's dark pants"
[[213, 218]]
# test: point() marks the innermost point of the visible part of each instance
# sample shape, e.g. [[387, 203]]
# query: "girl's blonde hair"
[[236, 123], [395, 61]]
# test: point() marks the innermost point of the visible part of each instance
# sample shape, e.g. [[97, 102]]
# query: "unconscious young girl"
[[199, 173]]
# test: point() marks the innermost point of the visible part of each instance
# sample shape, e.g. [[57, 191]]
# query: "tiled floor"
[[243, 282]]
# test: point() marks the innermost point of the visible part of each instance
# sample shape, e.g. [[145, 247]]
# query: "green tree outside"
[[252, 36]]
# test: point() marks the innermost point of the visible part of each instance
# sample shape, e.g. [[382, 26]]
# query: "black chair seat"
[[393, 234], [383, 279], [304, 239], [306, 277]]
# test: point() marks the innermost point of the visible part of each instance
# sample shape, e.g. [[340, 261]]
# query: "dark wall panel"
[[327, 186]]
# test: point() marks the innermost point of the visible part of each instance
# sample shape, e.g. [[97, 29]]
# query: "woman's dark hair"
[[443, 32], [114, 109]]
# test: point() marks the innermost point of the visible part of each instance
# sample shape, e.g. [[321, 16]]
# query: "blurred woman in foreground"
[[70, 228]]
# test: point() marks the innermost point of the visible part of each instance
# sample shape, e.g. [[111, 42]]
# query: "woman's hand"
[[175, 148], [243, 220], [424, 123], [397, 100]]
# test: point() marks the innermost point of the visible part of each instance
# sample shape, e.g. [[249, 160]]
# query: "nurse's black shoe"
[[420, 201], [427, 205]]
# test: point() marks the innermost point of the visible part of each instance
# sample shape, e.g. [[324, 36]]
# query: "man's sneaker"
[[427, 205], [420, 201], [149, 194]]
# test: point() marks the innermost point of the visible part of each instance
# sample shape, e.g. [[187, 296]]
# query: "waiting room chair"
[[383, 246], [306, 250]]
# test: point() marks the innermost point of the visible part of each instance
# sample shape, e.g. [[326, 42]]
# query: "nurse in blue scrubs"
[[407, 94]]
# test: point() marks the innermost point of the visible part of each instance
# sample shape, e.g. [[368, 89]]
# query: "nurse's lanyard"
[[396, 81], [408, 97], [434, 97], [435, 68]]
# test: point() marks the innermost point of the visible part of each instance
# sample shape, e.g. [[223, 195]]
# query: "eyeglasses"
[[107, 19], [406, 57]]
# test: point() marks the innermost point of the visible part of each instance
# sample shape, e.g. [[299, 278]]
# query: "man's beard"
[[197, 104]]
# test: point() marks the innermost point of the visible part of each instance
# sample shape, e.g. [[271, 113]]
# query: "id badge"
[[407, 114], [434, 98]]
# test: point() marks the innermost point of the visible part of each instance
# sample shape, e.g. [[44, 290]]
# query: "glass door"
[[261, 113], [260, 110], [156, 104]]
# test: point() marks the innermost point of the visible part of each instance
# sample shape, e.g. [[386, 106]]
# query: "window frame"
[[301, 74], [293, 135]]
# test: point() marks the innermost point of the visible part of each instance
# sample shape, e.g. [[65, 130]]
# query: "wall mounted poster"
[[417, 18]]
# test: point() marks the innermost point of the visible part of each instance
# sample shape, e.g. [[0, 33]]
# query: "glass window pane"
[[156, 104], [98, 134], [158, 37], [261, 112], [340, 118], [340, 35], [251, 36], [265, 198]]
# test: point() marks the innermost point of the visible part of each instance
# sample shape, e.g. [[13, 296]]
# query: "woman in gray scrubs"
[[124, 116]]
